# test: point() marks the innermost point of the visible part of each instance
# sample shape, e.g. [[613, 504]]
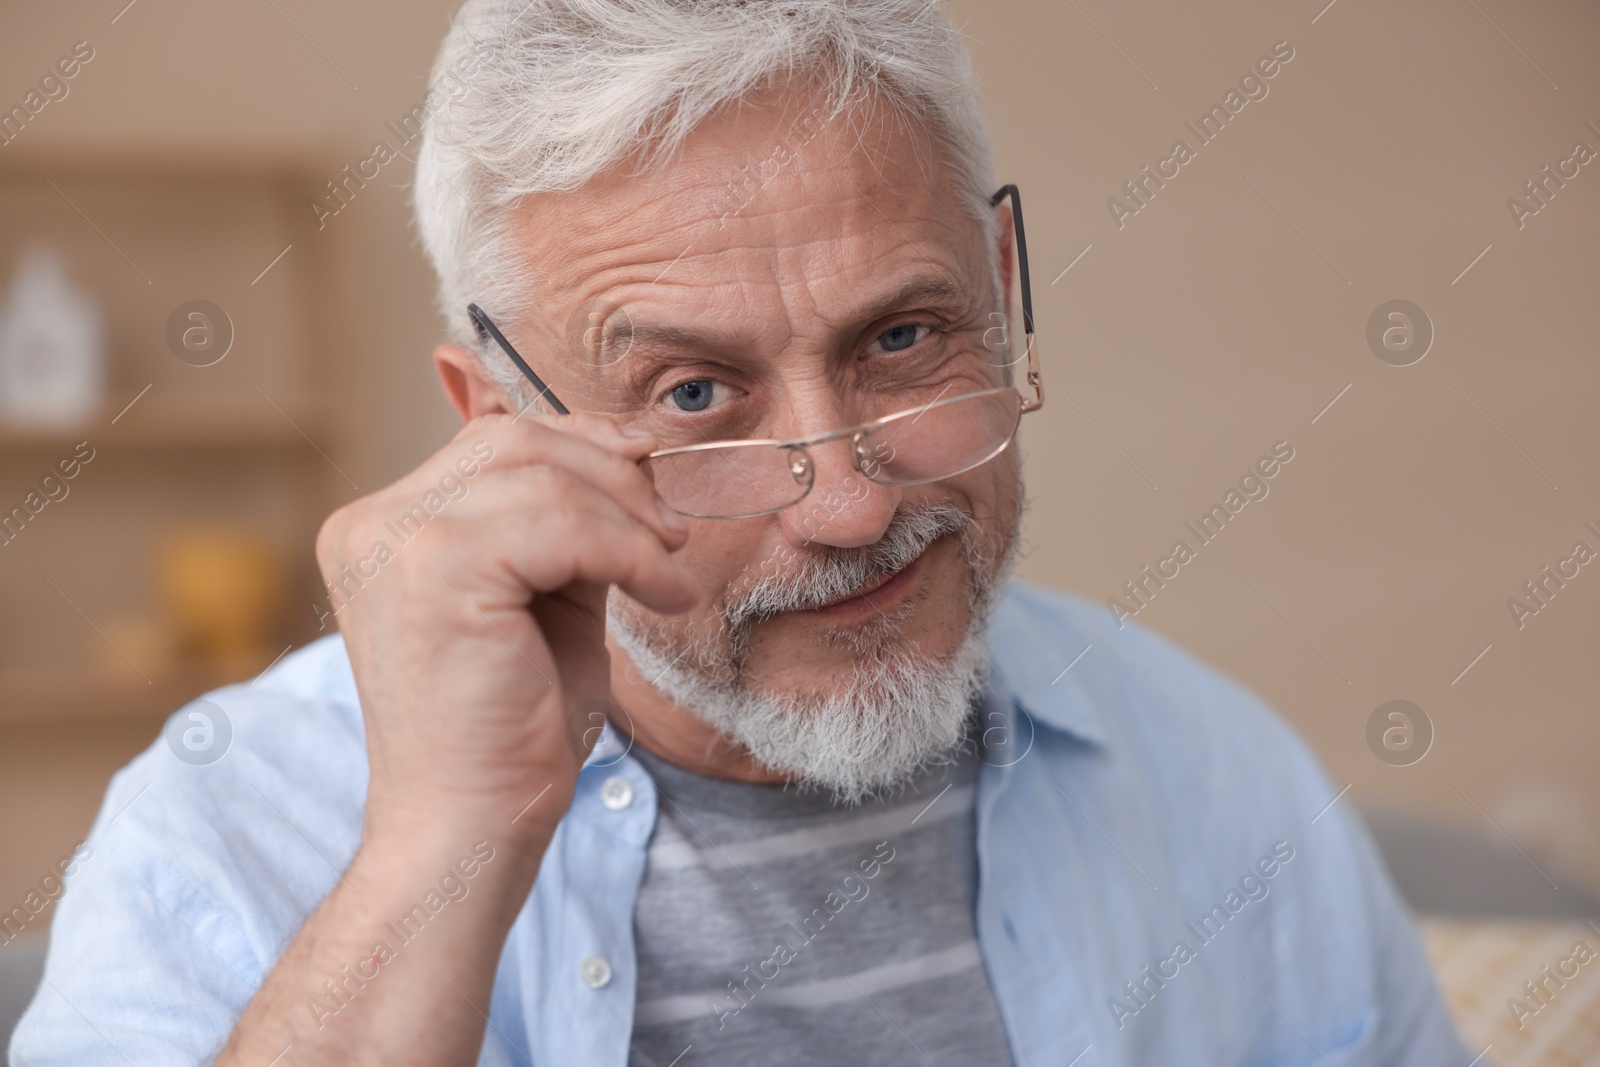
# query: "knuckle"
[[556, 495], [551, 487], [334, 534]]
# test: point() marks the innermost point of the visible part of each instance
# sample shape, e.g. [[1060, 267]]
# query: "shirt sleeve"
[[197, 876], [141, 976], [132, 977], [1413, 1027]]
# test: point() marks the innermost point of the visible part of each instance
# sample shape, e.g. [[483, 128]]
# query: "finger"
[[604, 430], [577, 444], [548, 528]]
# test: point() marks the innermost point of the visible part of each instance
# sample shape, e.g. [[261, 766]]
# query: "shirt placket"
[[576, 933]]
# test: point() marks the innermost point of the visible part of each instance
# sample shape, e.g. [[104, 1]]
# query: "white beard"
[[896, 713]]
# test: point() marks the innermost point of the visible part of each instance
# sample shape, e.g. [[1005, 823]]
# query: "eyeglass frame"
[[486, 330]]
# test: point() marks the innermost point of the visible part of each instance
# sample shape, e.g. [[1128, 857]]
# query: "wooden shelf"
[[251, 441], [176, 420]]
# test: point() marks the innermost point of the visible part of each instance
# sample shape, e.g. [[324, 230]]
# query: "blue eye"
[[692, 396], [899, 338]]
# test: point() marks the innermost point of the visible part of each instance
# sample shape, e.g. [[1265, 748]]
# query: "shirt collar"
[[1042, 662]]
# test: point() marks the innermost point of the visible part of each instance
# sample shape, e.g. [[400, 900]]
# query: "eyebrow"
[[663, 335], [920, 290]]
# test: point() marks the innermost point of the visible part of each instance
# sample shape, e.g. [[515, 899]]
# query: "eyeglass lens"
[[922, 445]]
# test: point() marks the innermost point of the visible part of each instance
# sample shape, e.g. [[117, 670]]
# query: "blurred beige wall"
[[1181, 342], [1232, 309]]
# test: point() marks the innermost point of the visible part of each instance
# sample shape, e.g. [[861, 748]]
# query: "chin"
[[871, 730]]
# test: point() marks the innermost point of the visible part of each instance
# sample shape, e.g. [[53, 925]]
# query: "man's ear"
[[470, 391], [1008, 267]]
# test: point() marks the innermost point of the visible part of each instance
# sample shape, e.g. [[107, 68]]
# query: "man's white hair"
[[535, 96]]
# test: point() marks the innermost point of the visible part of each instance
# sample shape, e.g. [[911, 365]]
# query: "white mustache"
[[820, 580]]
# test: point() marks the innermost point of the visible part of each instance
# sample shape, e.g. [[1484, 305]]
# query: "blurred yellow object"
[[224, 587], [134, 646]]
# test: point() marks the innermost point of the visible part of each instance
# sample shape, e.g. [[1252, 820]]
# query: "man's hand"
[[476, 644], [476, 636]]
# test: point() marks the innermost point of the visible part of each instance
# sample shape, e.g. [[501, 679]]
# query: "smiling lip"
[[870, 597]]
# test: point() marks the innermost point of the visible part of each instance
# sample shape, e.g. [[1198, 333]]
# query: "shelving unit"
[[66, 698], [259, 440], [179, 421]]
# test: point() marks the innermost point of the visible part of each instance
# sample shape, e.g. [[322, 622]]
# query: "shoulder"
[[1200, 773], [240, 815], [1148, 701], [210, 849], [1184, 804]]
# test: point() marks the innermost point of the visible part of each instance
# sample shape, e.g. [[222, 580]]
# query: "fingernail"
[[629, 430], [673, 520]]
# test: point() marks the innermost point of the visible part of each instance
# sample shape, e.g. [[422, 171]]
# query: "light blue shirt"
[[1165, 877]]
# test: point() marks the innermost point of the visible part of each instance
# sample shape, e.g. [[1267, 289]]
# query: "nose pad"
[[870, 455], [800, 466], [861, 454], [843, 509]]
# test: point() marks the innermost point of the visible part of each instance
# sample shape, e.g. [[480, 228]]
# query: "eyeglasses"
[[937, 439]]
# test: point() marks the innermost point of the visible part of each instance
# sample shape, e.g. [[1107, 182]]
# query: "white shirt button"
[[617, 793], [594, 970]]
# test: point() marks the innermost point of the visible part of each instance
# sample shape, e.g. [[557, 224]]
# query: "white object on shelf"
[[52, 346]]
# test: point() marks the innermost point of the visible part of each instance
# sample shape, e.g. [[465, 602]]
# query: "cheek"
[[1006, 476], [727, 553], [990, 493]]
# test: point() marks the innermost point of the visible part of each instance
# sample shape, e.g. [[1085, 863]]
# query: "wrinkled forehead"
[[778, 219]]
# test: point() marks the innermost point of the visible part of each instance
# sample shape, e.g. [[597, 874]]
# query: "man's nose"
[[844, 509]]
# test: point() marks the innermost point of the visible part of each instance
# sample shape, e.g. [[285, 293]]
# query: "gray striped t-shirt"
[[776, 928]]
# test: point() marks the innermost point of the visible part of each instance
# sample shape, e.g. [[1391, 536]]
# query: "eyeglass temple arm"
[[486, 330], [1034, 378]]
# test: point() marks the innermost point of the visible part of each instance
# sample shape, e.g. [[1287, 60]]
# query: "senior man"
[[682, 712]]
